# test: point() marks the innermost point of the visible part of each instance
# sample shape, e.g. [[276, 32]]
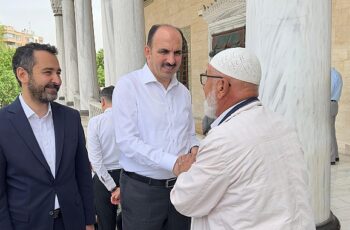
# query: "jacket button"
[[51, 213]]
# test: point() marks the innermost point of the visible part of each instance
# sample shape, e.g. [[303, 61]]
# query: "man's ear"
[[103, 101], [22, 75], [147, 51], [223, 87]]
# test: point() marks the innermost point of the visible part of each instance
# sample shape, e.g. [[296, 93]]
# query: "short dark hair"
[[24, 57], [107, 93], [154, 29]]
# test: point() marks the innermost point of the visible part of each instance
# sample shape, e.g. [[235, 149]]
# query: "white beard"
[[210, 105]]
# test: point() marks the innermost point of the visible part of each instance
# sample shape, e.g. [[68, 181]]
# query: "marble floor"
[[340, 191]]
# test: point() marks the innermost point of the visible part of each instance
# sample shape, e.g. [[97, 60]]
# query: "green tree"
[[1, 35], [100, 68], [9, 88]]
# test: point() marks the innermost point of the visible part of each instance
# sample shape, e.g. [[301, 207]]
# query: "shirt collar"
[[217, 120], [149, 77], [108, 109], [28, 111]]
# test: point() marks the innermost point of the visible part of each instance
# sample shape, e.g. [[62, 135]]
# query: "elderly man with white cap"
[[250, 171]]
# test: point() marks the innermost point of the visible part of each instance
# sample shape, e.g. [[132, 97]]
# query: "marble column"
[[87, 54], [292, 39], [70, 50], [108, 41], [57, 11], [129, 36]]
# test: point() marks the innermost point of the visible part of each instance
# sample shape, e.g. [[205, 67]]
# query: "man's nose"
[[171, 59], [57, 79]]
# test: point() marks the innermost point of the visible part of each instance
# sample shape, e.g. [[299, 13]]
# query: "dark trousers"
[[147, 207], [334, 144], [106, 212], [58, 224]]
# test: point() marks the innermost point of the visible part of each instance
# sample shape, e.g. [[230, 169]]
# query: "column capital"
[[56, 7]]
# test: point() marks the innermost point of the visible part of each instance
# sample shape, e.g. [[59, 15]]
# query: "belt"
[[113, 170], [167, 183], [55, 213]]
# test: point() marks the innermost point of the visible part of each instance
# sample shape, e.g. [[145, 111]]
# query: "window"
[[182, 73], [227, 39], [7, 35]]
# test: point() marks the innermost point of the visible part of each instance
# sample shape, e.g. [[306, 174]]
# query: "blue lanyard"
[[237, 107]]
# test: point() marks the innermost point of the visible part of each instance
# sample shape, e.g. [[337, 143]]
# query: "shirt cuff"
[[168, 162], [194, 142]]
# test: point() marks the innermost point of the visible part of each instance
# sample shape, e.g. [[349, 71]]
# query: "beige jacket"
[[250, 173]]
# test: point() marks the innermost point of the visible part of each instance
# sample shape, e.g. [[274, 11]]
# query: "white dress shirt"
[[44, 133], [250, 173], [153, 125], [102, 148]]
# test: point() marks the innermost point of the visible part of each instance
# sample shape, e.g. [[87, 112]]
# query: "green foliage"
[[9, 88], [1, 35], [100, 68]]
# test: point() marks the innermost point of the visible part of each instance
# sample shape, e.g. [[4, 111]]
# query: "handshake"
[[184, 162]]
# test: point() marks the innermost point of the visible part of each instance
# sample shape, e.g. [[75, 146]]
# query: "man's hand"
[[194, 150], [90, 227], [115, 197], [184, 162]]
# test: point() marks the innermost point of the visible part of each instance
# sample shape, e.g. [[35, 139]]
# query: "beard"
[[210, 105], [40, 94]]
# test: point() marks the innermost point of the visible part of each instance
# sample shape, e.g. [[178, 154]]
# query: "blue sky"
[[37, 16]]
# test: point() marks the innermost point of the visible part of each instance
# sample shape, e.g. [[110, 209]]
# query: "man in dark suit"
[[45, 178]]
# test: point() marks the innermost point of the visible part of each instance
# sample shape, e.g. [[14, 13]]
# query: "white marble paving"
[[340, 191]]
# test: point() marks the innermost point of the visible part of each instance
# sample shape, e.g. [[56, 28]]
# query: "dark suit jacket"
[[27, 187]]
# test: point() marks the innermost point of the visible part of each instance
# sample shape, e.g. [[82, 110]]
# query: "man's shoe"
[[333, 163], [337, 159]]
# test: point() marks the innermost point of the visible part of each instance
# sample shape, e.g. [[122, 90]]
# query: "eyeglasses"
[[204, 77]]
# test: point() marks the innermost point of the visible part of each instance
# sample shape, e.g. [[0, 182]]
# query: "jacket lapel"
[[20, 122], [58, 123]]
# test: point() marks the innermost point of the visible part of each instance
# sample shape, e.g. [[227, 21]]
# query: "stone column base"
[[331, 224], [84, 113], [70, 103]]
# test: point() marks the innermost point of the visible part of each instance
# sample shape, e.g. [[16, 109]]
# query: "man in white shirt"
[[250, 171], [154, 125], [104, 158], [45, 176]]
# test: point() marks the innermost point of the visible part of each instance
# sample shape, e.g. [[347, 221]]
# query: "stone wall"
[[341, 61]]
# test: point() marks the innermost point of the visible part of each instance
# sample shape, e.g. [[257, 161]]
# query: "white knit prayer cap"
[[238, 63]]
